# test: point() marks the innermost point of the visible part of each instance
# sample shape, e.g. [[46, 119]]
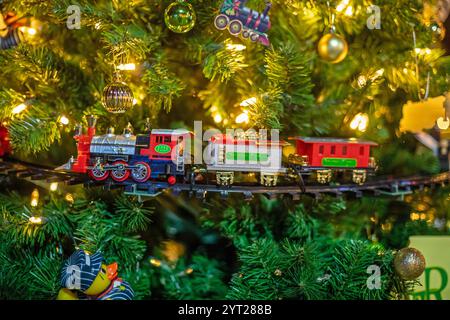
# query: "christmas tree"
[[335, 68]]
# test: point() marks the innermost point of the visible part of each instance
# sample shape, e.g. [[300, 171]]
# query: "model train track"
[[382, 186], [34, 172]]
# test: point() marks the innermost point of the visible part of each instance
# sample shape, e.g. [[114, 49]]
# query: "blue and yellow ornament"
[[86, 276]]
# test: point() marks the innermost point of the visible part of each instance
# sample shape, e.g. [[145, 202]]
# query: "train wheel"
[[268, 180], [225, 178], [245, 34], [221, 22], [254, 37], [235, 27], [359, 176], [324, 176], [141, 173], [120, 173], [98, 173]]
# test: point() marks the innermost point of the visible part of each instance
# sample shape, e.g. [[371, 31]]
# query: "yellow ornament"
[[103, 279], [332, 48], [66, 294]]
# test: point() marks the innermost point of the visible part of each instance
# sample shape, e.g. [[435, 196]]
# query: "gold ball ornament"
[[117, 97], [180, 16], [332, 48], [409, 263]]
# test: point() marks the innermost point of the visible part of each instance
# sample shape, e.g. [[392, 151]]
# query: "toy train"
[[244, 21], [164, 155]]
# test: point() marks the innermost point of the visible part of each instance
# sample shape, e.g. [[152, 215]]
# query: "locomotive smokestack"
[[267, 9], [92, 121]]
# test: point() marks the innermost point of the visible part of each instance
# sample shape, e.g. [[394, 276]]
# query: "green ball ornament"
[[180, 17]]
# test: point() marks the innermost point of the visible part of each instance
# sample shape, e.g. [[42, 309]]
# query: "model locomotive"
[[164, 155], [244, 21]]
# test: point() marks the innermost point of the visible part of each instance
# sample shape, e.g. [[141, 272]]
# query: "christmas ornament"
[[66, 294], [117, 97], [409, 263], [180, 16], [244, 21], [10, 33], [12, 39], [92, 279], [332, 48], [3, 26]]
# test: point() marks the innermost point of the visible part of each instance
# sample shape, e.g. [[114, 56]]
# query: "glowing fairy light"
[[29, 31], [362, 81], [98, 25], [349, 11], [236, 47], [36, 220], [218, 118], [242, 118], [360, 122], [69, 198], [126, 67], [64, 120], [54, 186], [248, 102], [443, 123], [34, 198], [20, 108], [341, 6], [135, 101]]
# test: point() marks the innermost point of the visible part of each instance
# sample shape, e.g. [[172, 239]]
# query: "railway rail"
[[389, 186]]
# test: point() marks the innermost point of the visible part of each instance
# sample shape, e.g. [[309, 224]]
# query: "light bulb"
[[34, 198], [217, 118], [236, 47], [54, 186], [248, 102], [35, 220], [18, 109], [341, 6], [242, 118], [126, 67], [29, 31], [69, 198], [349, 11], [64, 120], [360, 122], [443, 123]]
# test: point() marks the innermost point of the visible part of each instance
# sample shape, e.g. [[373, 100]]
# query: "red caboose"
[[326, 154]]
